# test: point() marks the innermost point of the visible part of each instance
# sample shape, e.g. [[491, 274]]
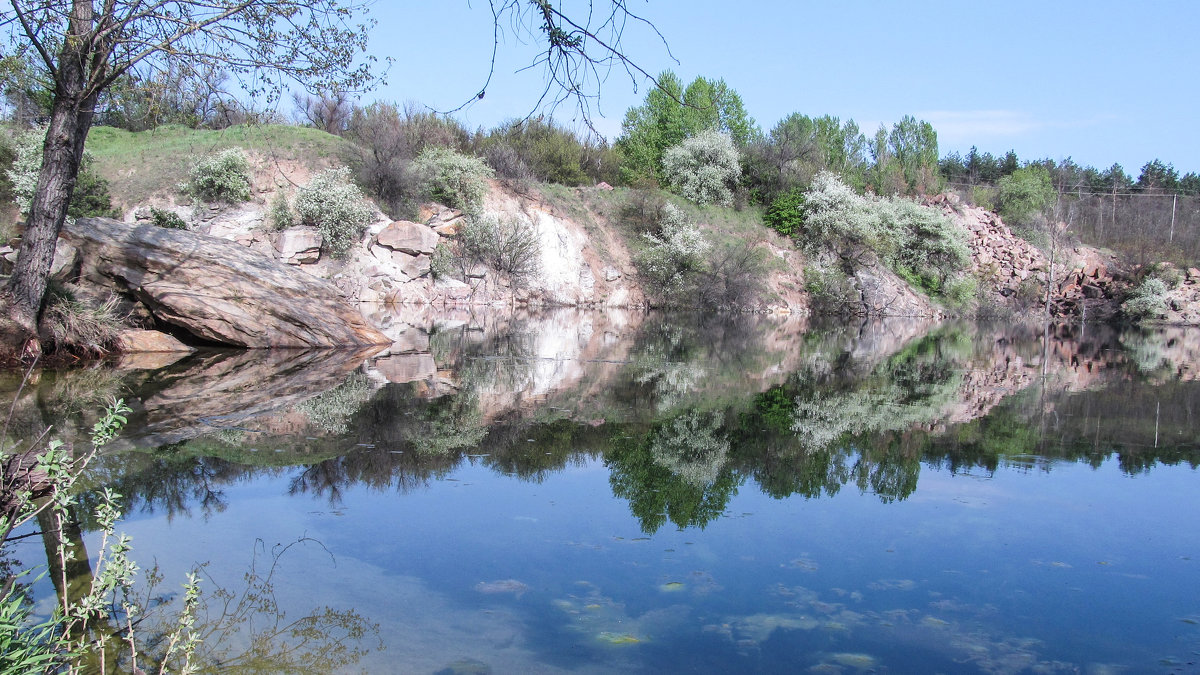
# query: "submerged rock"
[[215, 289]]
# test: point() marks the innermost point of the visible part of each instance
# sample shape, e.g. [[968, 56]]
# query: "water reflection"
[[688, 417], [684, 410]]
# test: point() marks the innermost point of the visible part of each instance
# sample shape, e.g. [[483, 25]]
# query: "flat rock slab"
[[217, 290]]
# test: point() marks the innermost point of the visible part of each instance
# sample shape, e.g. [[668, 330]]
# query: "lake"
[[623, 492]]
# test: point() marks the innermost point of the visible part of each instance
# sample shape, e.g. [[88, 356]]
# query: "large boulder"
[[408, 237], [217, 290]]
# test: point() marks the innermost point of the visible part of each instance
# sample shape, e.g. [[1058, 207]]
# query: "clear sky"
[[1098, 81]]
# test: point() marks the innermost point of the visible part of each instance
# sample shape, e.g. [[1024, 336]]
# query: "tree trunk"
[[62, 153]]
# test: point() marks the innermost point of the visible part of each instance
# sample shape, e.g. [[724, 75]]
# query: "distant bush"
[[1147, 301], [673, 259], [336, 207], [333, 410], [785, 215], [167, 219], [510, 246], [830, 291], [549, 152], [280, 214], [23, 174], [703, 168], [388, 139], [90, 198], [223, 177], [916, 242], [453, 178], [1026, 193]]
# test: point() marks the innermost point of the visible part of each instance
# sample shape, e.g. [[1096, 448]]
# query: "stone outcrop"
[[215, 289], [1015, 273]]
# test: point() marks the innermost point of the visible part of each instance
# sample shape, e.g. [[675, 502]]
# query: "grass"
[[141, 164]]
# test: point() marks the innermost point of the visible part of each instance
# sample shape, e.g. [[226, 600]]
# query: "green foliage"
[[703, 167], [1025, 194], [442, 264], [336, 207], [786, 213], [916, 242], [26, 646], [23, 174], [548, 152], [672, 259], [1148, 301], [280, 214], [90, 199], [510, 246], [798, 148], [905, 158], [166, 218], [223, 177], [829, 290], [59, 643], [691, 447], [453, 178], [670, 114]]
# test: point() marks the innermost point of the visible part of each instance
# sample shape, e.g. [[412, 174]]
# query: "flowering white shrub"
[[223, 177], [915, 241], [702, 168], [453, 178], [28, 162], [336, 207], [672, 257]]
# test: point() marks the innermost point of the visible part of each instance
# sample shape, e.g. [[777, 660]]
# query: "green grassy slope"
[[139, 165]]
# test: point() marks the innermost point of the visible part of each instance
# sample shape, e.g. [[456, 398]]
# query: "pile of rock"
[[1016, 273]]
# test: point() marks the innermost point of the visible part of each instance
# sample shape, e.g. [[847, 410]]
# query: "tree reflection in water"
[[682, 412]]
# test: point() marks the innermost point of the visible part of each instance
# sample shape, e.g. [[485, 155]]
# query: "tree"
[[1027, 193], [328, 111], [671, 114], [1158, 177], [83, 49], [914, 146]]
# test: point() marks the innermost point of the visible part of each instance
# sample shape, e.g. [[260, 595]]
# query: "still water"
[[576, 492]]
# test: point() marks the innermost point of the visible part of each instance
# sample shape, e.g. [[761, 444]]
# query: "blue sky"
[[1099, 81]]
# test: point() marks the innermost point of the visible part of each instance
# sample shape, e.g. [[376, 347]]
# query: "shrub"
[[336, 207], [1026, 193], [1147, 301], [80, 327], [734, 278], [673, 258], [691, 447], [27, 163], [452, 178], [785, 214], [167, 219], [830, 291], [389, 138], [915, 241], [510, 246], [280, 215], [549, 152], [223, 177], [443, 261], [334, 409], [702, 168], [90, 197]]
